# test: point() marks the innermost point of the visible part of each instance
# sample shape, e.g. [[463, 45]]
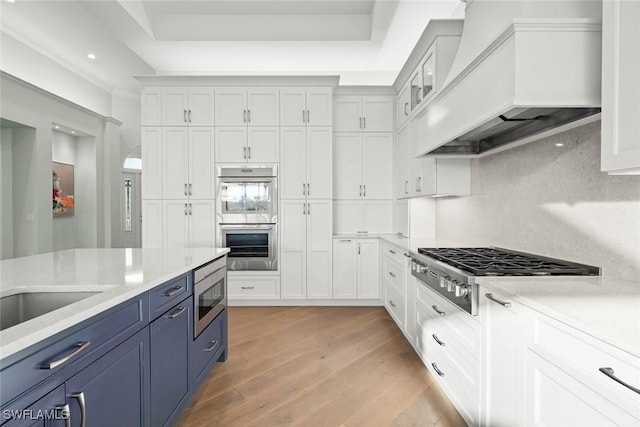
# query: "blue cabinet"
[[208, 348], [171, 335], [114, 390], [48, 411]]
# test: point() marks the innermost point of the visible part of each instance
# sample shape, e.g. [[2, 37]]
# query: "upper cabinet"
[[620, 87], [306, 107], [370, 113], [191, 106], [151, 103], [247, 107]]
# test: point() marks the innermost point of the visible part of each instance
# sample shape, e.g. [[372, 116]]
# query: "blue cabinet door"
[[171, 335], [113, 390], [48, 411]]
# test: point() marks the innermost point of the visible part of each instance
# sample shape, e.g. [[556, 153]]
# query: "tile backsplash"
[[549, 197]]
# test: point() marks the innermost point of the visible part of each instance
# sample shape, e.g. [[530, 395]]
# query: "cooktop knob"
[[462, 291], [451, 285], [443, 282]]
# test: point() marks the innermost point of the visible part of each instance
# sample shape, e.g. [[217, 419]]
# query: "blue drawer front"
[[165, 296], [208, 347]]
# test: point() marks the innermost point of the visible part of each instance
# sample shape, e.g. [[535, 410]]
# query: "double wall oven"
[[247, 211]]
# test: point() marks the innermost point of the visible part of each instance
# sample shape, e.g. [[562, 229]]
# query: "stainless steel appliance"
[[253, 246], [247, 195], [452, 272], [209, 293]]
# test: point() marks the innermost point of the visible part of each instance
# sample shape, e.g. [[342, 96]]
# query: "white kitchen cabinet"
[[188, 223], [305, 250], [306, 163], [193, 106], [357, 259], [247, 107], [151, 106], [401, 218], [247, 145], [363, 217], [187, 163], [395, 266], [362, 166], [403, 162], [370, 113], [306, 107], [403, 110], [152, 162], [241, 287], [152, 224], [620, 87]]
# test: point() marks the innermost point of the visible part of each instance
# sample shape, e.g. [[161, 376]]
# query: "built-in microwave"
[[209, 293], [252, 246], [247, 195]]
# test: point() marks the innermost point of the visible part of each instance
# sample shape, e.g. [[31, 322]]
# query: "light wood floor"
[[319, 366]]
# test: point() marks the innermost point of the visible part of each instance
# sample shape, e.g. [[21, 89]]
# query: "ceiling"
[[365, 42]]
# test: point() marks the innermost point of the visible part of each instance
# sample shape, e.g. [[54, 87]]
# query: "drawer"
[[395, 306], [252, 287], [208, 344], [582, 356], [101, 333], [394, 274], [394, 253], [165, 296]]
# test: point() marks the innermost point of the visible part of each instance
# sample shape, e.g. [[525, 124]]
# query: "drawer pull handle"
[[246, 287], [494, 299], [171, 292], [212, 346], [64, 412], [392, 304], [610, 373], [407, 255], [438, 371], [82, 346], [391, 274], [392, 251], [177, 313], [435, 337], [435, 308], [83, 408]]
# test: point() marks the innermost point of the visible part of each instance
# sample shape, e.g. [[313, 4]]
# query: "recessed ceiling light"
[[559, 144], [11, 1], [73, 131], [91, 56], [56, 127]]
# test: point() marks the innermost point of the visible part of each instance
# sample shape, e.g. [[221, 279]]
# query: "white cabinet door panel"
[[348, 217], [176, 230], [230, 107], [175, 162], [319, 163], [319, 105], [201, 106], [292, 107], [403, 162], [377, 113], [292, 162], [263, 145], [201, 220], [263, 107], [293, 263], [152, 162], [347, 114], [319, 249], [344, 269], [231, 145], [347, 162], [152, 223], [368, 270], [174, 106], [201, 163], [378, 169], [151, 103]]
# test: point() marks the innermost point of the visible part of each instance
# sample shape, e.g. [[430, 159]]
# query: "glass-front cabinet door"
[[428, 75], [416, 90]]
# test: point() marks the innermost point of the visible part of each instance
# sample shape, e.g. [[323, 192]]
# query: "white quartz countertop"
[[403, 242], [118, 274], [604, 308]]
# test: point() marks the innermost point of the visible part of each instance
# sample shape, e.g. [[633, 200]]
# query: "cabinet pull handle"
[[360, 190], [308, 208], [186, 211], [420, 183], [189, 116], [391, 274], [303, 190], [190, 189], [610, 373], [83, 408], [405, 254], [364, 190], [391, 251], [246, 287], [244, 116], [65, 413], [213, 345], [360, 125], [406, 184], [494, 299], [249, 150], [82, 346], [177, 313], [435, 337], [171, 292], [392, 304], [358, 248], [185, 116], [438, 371], [406, 104], [308, 189], [417, 185], [190, 209], [304, 209], [185, 190], [248, 116], [244, 152], [308, 114], [303, 119], [435, 308], [364, 123]]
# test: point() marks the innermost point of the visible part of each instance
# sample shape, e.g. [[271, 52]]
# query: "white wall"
[[552, 201], [6, 193]]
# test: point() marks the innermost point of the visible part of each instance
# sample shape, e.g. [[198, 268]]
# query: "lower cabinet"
[[171, 335], [113, 390], [52, 406], [209, 347], [241, 287], [356, 269]]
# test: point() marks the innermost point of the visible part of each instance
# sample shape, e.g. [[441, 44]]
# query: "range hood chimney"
[[524, 69]]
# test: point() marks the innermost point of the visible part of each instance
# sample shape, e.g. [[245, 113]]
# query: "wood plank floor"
[[319, 366]]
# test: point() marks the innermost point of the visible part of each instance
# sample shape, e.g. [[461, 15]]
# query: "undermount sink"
[[18, 308]]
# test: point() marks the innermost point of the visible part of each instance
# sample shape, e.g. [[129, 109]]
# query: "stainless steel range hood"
[[523, 69]]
